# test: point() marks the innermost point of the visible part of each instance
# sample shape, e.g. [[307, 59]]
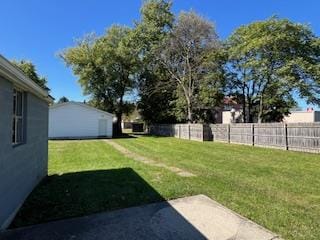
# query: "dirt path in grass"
[[148, 161]]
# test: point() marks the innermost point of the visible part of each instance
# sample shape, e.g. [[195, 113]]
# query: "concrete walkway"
[[196, 217], [145, 160]]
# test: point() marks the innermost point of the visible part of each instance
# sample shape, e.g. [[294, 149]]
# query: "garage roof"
[[57, 105]]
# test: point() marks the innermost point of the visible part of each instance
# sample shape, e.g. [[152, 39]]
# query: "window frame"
[[16, 118]]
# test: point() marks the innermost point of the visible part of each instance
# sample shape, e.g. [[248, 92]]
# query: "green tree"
[[63, 100], [155, 104], [189, 56], [29, 69], [269, 62], [106, 68]]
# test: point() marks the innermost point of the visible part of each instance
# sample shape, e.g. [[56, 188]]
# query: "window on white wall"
[[18, 117]]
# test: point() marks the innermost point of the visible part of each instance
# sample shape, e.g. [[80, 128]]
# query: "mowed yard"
[[277, 189]]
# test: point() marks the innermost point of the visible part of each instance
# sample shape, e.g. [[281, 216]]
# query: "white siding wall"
[[299, 117], [294, 117], [227, 117], [74, 120]]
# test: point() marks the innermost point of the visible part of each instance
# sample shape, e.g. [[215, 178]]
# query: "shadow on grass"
[[83, 193], [124, 135]]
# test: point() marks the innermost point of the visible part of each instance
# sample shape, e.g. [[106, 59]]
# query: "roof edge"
[[57, 105], [16, 76]]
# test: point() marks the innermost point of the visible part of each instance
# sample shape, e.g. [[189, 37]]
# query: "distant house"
[[308, 116], [303, 116], [232, 116], [74, 120], [230, 111], [23, 138]]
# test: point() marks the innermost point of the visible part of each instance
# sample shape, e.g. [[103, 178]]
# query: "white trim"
[[57, 105], [16, 118], [18, 78]]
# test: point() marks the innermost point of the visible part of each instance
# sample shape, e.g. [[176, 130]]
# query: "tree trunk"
[[244, 105], [189, 109], [119, 115], [118, 123], [250, 117], [260, 109]]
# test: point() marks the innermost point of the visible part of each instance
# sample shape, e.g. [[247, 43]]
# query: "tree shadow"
[[124, 135], [84, 193]]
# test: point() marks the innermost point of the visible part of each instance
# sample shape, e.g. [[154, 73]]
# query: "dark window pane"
[[19, 131], [14, 131], [14, 104], [19, 104]]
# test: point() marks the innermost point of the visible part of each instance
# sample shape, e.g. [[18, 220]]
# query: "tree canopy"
[[176, 69], [190, 56], [270, 61], [29, 69], [63, 100], [155, 104], [106, 68]]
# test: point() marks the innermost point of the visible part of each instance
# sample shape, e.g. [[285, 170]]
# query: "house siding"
[[300, 117], [22, 166]]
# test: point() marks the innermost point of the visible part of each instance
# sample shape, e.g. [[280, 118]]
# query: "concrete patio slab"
[[196, 217]]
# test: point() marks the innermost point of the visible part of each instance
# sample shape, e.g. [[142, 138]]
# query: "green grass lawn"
[[277, 189]]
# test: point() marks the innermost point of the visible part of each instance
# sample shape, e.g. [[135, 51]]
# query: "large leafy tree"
[[190, 56], [155, 104], [270, 61], [106, 69], [29, 69], [63, 100]]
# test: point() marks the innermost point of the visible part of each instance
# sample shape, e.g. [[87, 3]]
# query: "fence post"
[[252, 132], [179, 131], [228, 133], [202, 134], [189, 134], [286, 147], [211, 132]]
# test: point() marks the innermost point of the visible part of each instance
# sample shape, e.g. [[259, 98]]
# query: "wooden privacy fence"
[[198, 132], [303, 137]]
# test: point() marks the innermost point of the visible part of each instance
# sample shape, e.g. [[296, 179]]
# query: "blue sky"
[[37, 30]]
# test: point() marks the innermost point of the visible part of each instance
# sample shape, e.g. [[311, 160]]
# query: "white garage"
[[78, 120]]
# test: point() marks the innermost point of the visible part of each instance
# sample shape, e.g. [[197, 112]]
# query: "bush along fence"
[[303, 137]]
